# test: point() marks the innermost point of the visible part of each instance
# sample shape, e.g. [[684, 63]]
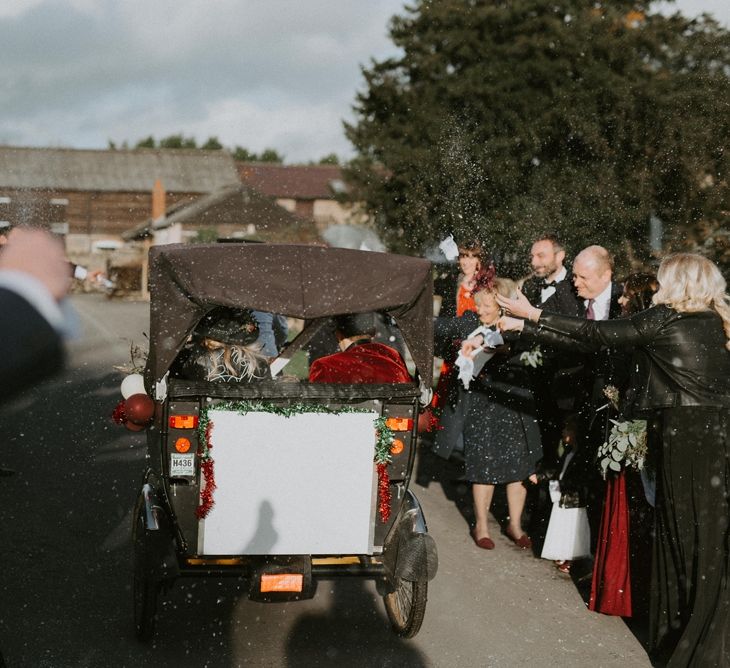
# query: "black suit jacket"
[[31, 348]]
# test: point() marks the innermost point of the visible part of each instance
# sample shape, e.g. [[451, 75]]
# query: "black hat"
[[234, 326], [355, 324]]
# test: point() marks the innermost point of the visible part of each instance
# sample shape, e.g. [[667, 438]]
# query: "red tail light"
[[399, 424], [183, 421]]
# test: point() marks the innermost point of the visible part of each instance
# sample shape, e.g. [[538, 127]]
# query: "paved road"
[[65, 575]]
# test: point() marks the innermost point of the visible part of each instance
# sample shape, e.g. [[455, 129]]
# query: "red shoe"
[[486, 543], [563, 567], [523, 542]]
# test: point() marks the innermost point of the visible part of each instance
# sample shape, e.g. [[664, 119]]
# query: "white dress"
[[568, 536]]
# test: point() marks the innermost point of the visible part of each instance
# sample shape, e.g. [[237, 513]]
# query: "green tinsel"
[[384, 433]]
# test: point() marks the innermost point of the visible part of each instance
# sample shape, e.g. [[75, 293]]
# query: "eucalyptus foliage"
[[505, 118]]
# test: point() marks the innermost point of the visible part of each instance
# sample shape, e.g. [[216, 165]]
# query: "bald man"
[[585, 370]]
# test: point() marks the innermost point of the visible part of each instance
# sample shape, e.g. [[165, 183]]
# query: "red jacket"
[[361, 363]]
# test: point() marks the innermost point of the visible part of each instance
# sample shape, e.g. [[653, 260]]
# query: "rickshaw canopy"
[[186, 281]]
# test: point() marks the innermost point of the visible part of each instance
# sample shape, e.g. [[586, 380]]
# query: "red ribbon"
[[206, 496]]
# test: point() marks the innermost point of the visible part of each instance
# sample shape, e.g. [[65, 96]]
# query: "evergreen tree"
[[212, 144], [505, 118], [243, 154], [148, 142], [178, 141]]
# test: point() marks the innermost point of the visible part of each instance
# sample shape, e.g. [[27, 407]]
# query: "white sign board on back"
[[304, 484]]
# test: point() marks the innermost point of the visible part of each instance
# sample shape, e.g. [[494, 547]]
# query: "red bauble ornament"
[[139, 409]]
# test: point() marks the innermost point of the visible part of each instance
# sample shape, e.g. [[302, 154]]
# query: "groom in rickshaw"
[[360, 360]]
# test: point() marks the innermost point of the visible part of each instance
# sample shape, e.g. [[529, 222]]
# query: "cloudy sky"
[[254, 73]]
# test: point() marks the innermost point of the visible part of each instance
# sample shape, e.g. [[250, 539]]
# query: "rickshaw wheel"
[[406, 606], [144, 588]]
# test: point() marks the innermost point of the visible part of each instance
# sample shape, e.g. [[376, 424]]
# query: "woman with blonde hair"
[[501, 435], [225, 349], [684, 339]]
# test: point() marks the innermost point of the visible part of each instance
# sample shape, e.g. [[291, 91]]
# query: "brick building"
[[309, 191], [94, 195]]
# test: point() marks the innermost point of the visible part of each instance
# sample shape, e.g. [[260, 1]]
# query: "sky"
[[279, 74]]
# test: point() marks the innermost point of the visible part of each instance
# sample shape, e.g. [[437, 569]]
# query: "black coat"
[[685, 362], [31, 347], [532, 289], [500, 373]]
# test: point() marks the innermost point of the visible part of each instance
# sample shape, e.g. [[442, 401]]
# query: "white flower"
[[532, 357], [626, 445]]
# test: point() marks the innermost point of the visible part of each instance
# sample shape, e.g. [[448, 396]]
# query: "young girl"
[[568, 536]]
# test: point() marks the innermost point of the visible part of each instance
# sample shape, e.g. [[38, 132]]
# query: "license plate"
[[182, 465], [291, 582]]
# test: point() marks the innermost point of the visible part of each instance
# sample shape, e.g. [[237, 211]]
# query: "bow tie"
[[546, 284]]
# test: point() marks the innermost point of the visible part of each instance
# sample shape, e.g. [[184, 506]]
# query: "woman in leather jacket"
[[684, 374]]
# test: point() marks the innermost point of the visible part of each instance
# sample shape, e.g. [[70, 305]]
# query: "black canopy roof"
[[186, 281]]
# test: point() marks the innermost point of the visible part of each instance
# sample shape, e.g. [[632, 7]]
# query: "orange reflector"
[[399, 424], [396, 447], [282, 582], [183, 421], [182, 444]]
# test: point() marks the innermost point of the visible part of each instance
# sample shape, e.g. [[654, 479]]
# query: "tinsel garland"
[[206, 464], [383, 443], [383, 492], [119, 413]]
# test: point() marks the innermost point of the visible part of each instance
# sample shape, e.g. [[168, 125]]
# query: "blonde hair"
[[690, 283], [232, 362], [505, 287]]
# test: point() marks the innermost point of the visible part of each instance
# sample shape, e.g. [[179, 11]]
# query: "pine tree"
[[508, 118]]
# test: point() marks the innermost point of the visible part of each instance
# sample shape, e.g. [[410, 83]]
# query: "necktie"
[[590, 315]]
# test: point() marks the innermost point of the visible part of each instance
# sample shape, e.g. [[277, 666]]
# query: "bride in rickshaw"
[[290, 472]]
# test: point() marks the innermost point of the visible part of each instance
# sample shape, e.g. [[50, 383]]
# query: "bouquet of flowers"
[[532, 357], [626, 446]]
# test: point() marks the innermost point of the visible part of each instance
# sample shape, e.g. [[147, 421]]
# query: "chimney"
[[158, 200]]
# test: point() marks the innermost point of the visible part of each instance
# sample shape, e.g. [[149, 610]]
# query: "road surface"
[[66, 559]]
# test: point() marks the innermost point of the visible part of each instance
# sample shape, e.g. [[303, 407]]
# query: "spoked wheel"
[[145, 589], [406, 606]]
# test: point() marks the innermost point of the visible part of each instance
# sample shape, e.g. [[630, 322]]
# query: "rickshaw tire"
[[406, 606]]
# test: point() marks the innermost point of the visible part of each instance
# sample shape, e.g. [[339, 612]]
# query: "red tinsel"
[[118, 414], [428, 421], [383, 492], [484, 279], [206, 496]]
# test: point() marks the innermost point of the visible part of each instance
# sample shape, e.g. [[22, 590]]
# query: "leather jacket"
[[683, 356]]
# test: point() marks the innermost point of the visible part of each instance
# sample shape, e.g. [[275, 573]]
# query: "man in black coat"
[[592, 295], [547, 259], [548, 285], [34, 276]]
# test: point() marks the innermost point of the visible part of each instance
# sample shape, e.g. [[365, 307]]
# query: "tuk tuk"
[[284, 482]]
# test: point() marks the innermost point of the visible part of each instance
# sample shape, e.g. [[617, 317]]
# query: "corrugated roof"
[[193, 171], [294, 181]]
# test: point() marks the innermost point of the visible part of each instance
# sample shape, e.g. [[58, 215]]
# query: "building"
[[231, 213], [93, 196], [309, 191]]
